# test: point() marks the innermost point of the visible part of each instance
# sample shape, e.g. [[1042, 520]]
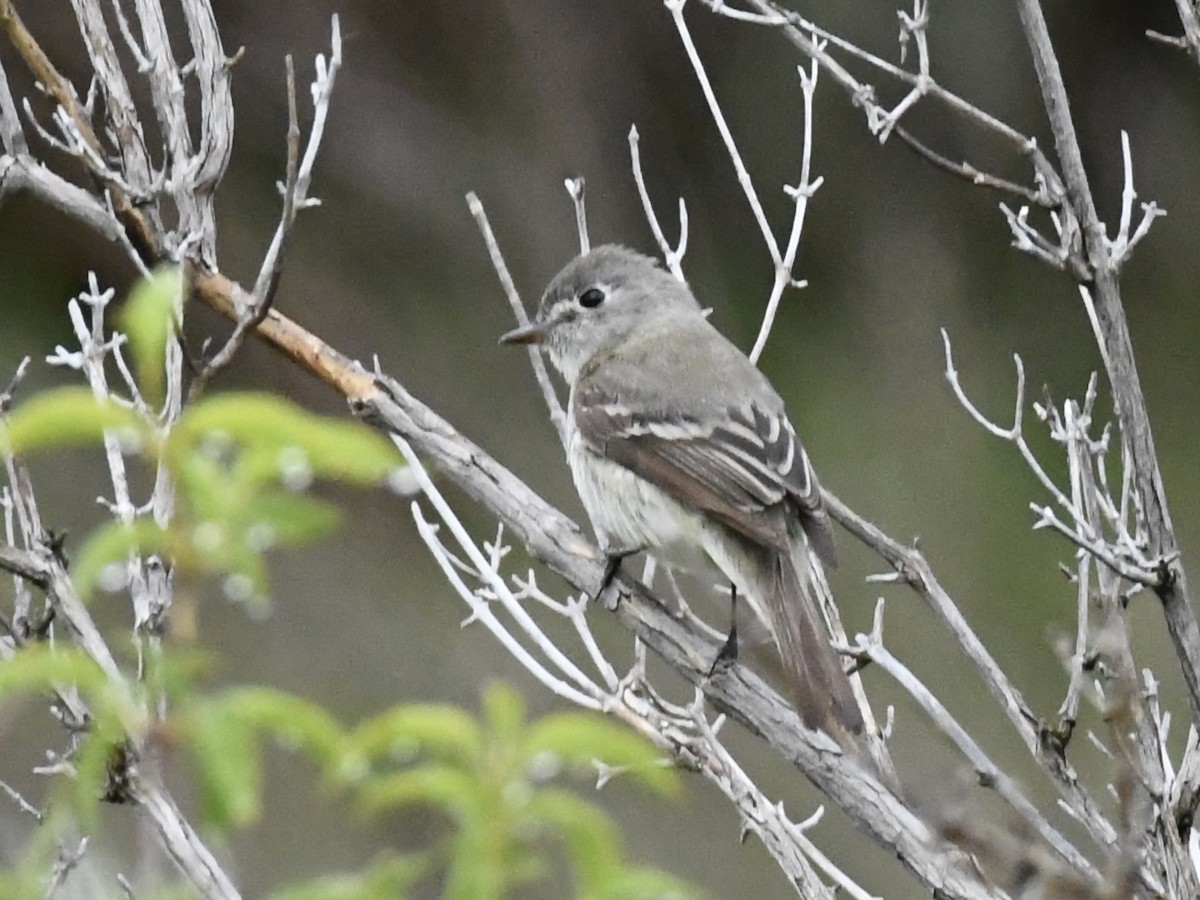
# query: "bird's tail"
[[822, 690]]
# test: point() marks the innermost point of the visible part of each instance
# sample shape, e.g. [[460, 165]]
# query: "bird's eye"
[[591, 298]]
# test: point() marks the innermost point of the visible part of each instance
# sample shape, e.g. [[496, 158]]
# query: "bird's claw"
[[612, 565]]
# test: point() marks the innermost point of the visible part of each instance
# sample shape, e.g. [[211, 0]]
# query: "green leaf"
[[291, 720], [389, 879], [479, 866], [587, 834], [279, 519], [645, 884], [148, 320], [40, 668], [65, 417], [579, 739], [175, 673], [18, 884], [270, 430], [445, 733], [445, 787], [504, 711], [225, 749], [207, 487]]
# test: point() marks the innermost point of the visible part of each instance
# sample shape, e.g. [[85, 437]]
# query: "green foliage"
[[496, 780], [403, 732], [493, 780], [388, 879], [267, 428], [225, 732], [574, 738], [148, 320], [66, 417], [239, 462]]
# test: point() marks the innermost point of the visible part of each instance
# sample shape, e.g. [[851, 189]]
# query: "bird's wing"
[[738, 466]]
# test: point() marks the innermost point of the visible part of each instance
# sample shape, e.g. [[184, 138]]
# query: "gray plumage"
[[679, 445]]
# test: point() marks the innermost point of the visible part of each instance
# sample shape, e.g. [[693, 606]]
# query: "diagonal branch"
[[912, 568], [804, 35], [140, 229]]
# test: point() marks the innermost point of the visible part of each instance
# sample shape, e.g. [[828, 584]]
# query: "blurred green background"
[[508, 98]]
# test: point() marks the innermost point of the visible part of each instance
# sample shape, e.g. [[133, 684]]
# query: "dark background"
[[507, 99]]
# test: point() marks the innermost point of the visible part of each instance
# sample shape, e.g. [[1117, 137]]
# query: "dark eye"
[[591, 298]]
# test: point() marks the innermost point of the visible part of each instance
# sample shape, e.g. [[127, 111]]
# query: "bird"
[[679, 446]]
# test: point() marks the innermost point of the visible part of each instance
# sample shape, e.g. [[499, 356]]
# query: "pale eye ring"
[[591, 298]]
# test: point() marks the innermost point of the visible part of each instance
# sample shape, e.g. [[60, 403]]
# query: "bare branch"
[[12, 137], [24, 564], [800, 195], [24, 805], [1122, 246], [556, 541], [804, 33], [557, 416], [1190, 40], [672, 256], [68, 858], [675, 7], [576, 188], [25, 174], [965, 170], [1048, 519], [295, 198], [911, 566], [1014, 434], [987, 772], [1118, 350]]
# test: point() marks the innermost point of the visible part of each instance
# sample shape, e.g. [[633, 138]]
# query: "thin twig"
[[987, 772], [672, 256], [576, 187], [969, 172], [804, 34], [24, 805], [557, 416], [64, 864], [675, 8], [915, 570], [294, 191], [1048, 519], [12, 136]]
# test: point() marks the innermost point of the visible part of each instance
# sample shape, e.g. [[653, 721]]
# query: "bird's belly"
[[629, 512]]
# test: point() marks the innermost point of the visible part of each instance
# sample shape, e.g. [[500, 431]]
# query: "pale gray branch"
[[1117, 348], [557, 416], [986, 771]]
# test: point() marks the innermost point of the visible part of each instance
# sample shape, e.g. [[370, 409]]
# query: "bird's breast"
[[627, 511]]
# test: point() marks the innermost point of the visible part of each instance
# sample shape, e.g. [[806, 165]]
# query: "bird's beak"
[[527, 334]]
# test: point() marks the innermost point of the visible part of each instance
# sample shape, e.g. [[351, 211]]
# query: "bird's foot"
[[728, 653], [612, 565]]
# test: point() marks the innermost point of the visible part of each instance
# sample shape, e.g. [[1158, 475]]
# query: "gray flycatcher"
[[680, 446]]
